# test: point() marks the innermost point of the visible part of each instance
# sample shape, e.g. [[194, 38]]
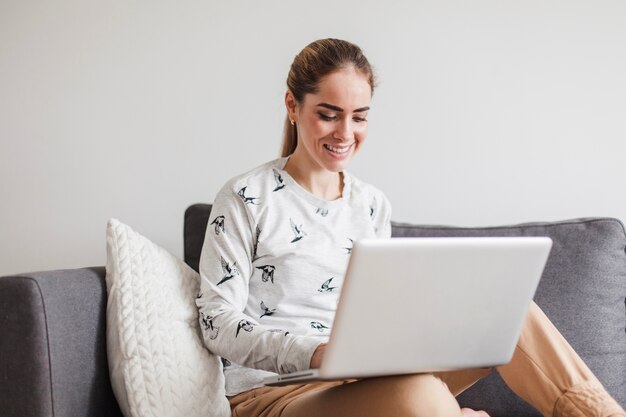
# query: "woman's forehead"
[[346, 88]]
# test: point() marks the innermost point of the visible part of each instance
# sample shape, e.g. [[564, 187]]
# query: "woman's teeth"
[[337, 150]]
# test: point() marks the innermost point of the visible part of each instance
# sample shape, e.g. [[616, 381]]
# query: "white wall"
[[488, 112]]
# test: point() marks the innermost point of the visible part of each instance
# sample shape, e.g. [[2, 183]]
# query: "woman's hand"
[[318, 355], [468, 412]]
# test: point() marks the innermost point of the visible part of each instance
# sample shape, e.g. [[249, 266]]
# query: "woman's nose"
[[345, 130]]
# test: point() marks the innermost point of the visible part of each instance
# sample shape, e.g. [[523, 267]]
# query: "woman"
[[276, 250]]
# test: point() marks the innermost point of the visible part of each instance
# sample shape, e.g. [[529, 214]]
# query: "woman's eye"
[[360, 119], [327, 118]]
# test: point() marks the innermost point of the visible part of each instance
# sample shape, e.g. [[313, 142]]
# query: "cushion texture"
[[582, 290], [157, 361]]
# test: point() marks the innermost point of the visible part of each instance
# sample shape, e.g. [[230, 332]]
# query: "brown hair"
[[314, 62]]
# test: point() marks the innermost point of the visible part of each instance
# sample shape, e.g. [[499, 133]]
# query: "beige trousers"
[[545, 371]]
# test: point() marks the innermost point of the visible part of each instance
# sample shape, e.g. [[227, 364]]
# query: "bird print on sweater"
[[256, 242], [247, 200], [372, 214], [280, 183], [322, 212], [207, 323], [230, 271], [326, 286], [268, 272], [349, 249], [318, 326], [297, 231], [219, 225], [266, 311], [244, 325]]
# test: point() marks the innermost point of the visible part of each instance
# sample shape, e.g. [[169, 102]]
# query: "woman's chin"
[[337, 166], [337, 162]]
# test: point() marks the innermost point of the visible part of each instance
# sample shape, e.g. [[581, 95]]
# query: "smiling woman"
[[284, 227], [329, 134], [330, 87], [310, 66]]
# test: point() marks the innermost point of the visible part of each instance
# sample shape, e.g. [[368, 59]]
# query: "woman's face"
[[332, 123]]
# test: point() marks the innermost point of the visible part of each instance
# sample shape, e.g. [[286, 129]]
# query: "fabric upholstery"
[[582, 290], [24, 349], [52, 345], [196, 220]]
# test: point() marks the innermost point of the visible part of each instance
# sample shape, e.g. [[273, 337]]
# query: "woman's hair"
[[318, 59]]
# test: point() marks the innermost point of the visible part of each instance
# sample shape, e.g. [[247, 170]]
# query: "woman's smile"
[[338, 151]]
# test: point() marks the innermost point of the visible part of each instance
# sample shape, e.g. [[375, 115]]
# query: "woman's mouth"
[[337, 149]]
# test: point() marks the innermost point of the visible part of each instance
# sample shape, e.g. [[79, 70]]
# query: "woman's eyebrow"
[[339, 109]]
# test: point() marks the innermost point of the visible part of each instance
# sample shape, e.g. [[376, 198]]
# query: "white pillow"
[[158, 364]]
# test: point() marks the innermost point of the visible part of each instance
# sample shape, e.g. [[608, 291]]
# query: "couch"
[[52, 324]]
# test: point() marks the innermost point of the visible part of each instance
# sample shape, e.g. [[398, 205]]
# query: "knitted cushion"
[[157, 361]]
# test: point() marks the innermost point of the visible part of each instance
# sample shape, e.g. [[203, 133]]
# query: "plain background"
[[487, 112]]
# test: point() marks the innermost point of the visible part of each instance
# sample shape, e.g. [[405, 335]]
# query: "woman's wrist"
[[318, 356]]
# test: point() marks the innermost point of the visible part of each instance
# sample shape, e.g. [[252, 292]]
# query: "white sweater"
[[272, 266]]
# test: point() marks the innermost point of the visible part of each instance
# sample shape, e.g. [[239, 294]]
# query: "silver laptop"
[[412, 305]]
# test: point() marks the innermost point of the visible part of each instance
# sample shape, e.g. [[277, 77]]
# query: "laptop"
[[414, 305]]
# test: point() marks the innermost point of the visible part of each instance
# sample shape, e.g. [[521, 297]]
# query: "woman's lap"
[[271, 401], [410, 395]]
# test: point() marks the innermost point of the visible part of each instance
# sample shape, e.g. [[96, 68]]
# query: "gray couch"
[[52, 324]]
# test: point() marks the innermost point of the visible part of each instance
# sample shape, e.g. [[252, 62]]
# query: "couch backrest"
[[582, 290]]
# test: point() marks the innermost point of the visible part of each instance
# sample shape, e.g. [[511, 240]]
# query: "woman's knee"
[[536, 323], [424, 395]]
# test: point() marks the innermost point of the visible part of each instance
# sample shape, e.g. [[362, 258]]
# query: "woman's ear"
[[291, 104]]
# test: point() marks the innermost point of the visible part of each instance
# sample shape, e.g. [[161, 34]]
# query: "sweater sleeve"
[[225, 271], [382, 216]]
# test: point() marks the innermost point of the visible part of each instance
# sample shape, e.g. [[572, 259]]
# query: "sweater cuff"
[[298, 354]]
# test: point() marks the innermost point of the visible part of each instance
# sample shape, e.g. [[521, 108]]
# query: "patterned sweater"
[[272, 266]]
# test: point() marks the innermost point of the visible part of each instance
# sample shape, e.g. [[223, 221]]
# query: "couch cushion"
[[582, 290]]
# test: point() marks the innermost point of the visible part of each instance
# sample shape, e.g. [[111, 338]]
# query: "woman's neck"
[[320, 182]]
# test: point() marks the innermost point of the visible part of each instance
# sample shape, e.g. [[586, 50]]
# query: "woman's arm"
[[225, 271]]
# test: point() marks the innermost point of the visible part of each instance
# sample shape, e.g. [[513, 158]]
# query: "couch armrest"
[[53, 345]]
